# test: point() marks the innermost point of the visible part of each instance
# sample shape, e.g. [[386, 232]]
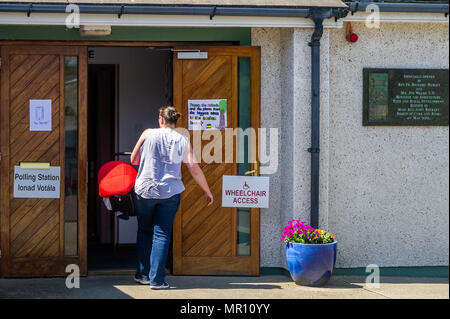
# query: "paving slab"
[[212, 287]]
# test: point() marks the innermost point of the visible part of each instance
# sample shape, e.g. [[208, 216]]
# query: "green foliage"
[[223, 106]]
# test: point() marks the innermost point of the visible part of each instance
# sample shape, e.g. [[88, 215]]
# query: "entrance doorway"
[[126, 86]]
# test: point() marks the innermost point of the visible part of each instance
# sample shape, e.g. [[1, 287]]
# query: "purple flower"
[[299, 228]]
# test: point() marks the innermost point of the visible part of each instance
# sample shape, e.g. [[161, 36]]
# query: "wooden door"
[[41, 236], [205, 240]]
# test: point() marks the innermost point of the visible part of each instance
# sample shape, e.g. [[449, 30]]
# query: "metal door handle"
[[254, 172]]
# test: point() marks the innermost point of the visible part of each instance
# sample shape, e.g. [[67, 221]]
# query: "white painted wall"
[[389, 200], [270, 41], [286, 104], [384, 190]]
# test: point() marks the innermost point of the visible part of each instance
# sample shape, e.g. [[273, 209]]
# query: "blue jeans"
[[155, 220]]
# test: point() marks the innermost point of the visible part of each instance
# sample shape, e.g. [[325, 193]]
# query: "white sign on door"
[[40, 115], [37, 183], [207, 114], [245, 191]]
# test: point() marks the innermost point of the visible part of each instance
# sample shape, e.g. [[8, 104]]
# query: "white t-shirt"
[[159, 174]]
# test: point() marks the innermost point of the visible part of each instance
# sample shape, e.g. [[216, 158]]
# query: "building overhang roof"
[[240, 3], [218, 13]]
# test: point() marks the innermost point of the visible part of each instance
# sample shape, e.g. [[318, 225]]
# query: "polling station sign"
[[245, 191], [37, 183]]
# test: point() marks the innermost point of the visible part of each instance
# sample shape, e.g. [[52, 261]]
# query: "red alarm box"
[[350, 36]]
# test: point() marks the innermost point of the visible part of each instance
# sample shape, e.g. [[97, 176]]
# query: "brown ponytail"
[[170, 114]]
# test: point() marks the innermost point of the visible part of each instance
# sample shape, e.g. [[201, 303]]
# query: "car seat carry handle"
[[122, 153]]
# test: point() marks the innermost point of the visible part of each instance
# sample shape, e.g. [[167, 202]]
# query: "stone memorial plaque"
[[405, 97]]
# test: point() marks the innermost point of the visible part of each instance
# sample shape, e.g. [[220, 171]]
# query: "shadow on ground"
[[205, 287]]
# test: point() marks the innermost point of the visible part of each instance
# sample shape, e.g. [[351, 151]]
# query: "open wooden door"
[[41, 235], [217, 240]]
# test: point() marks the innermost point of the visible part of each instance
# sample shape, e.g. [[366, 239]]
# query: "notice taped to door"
[[245, 191], [37, 183], [207, 114], [40, 115]]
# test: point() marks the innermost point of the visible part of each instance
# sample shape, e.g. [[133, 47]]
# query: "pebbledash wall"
[[384, 190]]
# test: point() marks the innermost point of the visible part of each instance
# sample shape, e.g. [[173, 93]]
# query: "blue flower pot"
[[309, 264]]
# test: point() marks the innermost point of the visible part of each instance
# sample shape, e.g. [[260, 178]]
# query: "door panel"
[[205, 238], [33, 235]]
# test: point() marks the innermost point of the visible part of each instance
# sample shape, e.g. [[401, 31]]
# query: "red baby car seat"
[[115, 184]]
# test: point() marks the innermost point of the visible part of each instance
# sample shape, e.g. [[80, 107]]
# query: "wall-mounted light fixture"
[[95, 30]]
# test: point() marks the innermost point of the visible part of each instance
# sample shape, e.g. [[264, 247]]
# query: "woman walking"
[[159, 153]]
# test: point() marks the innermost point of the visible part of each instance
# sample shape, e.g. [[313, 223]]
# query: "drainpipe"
[[317, 15]]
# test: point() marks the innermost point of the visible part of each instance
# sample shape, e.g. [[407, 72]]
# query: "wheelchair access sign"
[[245, 191]]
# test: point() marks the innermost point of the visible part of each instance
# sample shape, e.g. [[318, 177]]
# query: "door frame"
[[30, 48], [82, 130]]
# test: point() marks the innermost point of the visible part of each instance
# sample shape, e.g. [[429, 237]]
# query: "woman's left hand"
[[209, 198]]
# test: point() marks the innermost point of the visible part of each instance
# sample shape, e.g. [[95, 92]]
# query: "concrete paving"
[[208, 287]]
